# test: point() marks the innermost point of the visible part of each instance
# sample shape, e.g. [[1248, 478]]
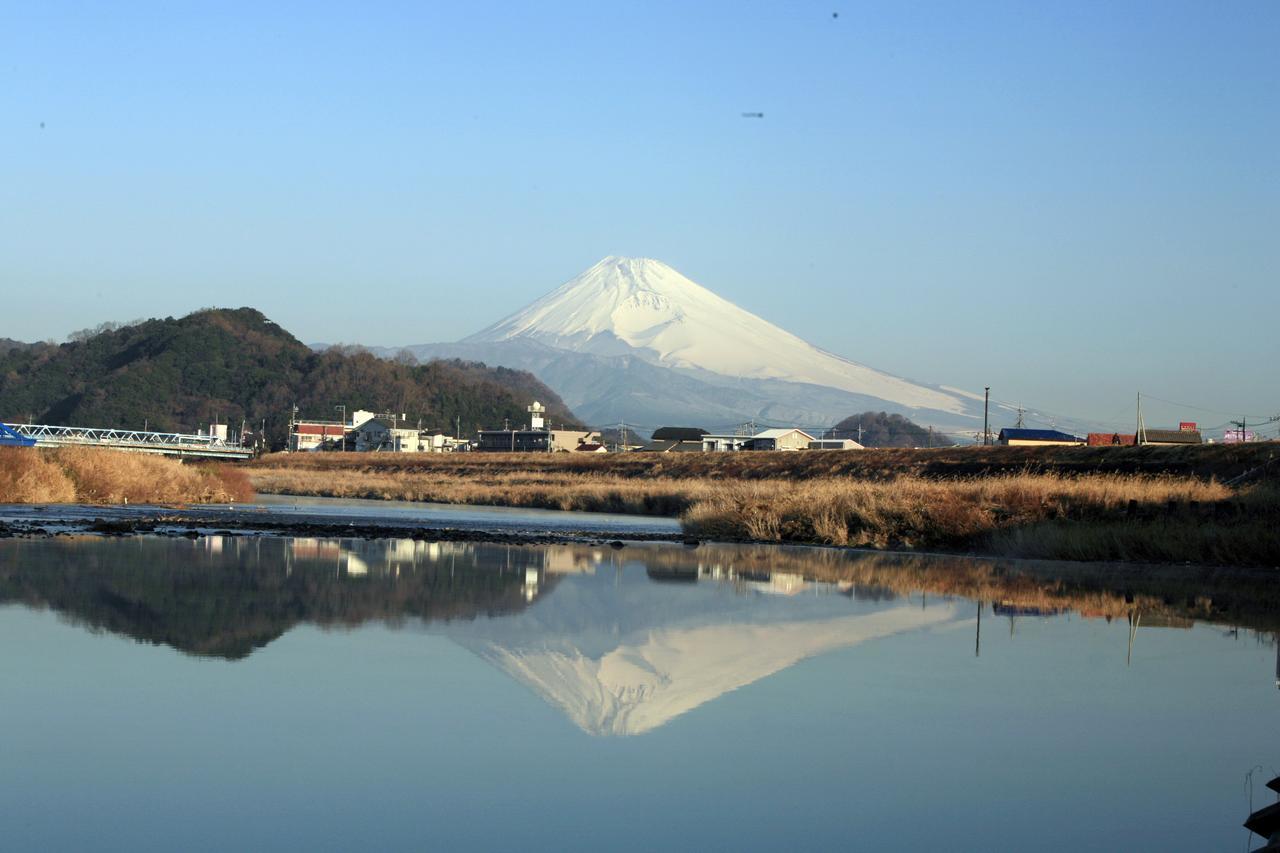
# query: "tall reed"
[[99, 475]]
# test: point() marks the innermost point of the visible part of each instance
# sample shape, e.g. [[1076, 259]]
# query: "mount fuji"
[[632, 339]]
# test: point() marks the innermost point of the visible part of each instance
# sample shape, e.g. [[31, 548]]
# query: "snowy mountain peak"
[[645, 308], [627, 299]]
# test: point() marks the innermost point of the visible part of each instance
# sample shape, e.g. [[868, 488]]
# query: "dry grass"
[[1103, 517], [96, 475], [912, 512], [586, 492], [28, 476], [1068, 514], [1204, 462]]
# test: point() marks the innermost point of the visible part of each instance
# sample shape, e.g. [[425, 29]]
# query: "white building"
[[769, 439], [780, 439], [717, 443]]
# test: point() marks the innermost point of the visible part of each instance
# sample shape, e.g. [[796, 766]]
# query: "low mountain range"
[[231, 365], [631, 339]]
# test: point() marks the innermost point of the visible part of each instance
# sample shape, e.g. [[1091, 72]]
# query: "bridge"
[[165, 443]]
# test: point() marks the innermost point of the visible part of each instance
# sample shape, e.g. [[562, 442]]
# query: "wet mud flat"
[[67, 520]]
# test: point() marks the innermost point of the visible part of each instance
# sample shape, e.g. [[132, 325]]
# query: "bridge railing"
[[49, 434]]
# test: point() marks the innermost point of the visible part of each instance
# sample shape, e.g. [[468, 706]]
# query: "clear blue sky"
[[1069, 204]]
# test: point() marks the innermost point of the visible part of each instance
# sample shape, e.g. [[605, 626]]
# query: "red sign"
[[1187, 426]]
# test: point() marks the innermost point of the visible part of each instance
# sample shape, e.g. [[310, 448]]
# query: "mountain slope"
[[236, 364]]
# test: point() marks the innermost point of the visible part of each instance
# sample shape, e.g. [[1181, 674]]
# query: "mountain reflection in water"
[[620, 641]]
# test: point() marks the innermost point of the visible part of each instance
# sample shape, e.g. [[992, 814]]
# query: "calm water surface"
[[274, 693]]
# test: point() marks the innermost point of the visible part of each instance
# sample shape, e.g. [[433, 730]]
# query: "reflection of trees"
[[226, 597], [1169, 595]]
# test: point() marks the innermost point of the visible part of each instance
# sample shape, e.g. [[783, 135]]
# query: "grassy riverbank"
[[94, 475], [1156, 504]]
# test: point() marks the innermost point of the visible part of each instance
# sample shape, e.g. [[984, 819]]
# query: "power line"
[[1202, 408]]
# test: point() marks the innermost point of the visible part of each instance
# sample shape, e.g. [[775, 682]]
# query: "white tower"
[[535, 415]]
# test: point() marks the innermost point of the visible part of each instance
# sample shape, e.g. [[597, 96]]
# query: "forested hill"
[[229, 365], [882, 430]]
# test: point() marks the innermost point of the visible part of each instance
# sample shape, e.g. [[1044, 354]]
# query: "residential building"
[[719, 443], [674, 440], [388, 435], [325, 435], [769, 439], [533, 440], [780, 439], [315, 435]]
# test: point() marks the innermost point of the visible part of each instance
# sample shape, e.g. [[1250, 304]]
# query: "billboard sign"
[[1188, 426], [1233, 436]]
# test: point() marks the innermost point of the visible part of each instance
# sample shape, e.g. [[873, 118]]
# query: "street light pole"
[[342, 447]]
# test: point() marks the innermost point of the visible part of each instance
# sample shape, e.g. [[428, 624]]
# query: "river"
[[269, 692]]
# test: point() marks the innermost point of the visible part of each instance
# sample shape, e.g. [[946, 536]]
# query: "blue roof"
[[1036, 435]]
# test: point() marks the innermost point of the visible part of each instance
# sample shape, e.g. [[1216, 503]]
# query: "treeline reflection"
[[227, 596]]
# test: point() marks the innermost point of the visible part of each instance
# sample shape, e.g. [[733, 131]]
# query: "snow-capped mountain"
[[633, 339], [626, 306]]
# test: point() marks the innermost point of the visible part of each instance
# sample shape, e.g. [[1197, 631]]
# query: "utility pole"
[[1019, 423], [986, 422], [930, 438], [859, 429], [343, 431], [1139, 437], [457, 428]]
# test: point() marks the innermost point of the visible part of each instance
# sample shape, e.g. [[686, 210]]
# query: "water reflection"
[[620, 641]]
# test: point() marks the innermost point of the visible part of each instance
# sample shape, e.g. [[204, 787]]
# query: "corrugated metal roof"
[[672, 446], [670, 433], [318, 429], [1111, 439], [1172, 436], [1012, 434], [779, 433]]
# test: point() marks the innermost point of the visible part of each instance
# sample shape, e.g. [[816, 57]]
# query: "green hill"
[[228, 365], [882, 430]]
